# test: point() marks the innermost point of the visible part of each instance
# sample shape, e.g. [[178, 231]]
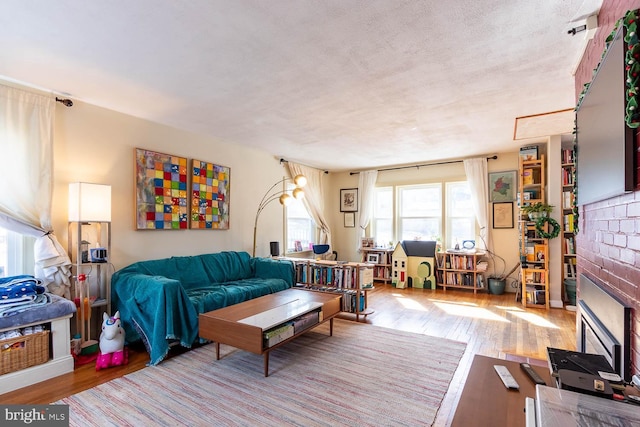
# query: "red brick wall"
[[608, 244]]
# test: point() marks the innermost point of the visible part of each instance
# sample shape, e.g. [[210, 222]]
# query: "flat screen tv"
[[605, 157]]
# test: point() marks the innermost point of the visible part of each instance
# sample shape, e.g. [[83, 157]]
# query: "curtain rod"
[[422, 165], [286, 161]]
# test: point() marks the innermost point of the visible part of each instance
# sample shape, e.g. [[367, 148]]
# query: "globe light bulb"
[[298, 193], [285, 199], [300, 180]]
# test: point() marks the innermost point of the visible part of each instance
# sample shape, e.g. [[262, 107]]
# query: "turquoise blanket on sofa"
[[159, 300]]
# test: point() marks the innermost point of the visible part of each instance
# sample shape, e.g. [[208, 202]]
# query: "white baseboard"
[[554, 303], [35, 374]]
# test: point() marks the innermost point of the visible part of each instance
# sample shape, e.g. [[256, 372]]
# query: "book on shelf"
[[569, 245], [568, 156], [569, 223], [567, 199], [570, 268], [278, 334], [567, 176], [532, 276], [530, 252], [529, 152], [535, 295], [305, 321]]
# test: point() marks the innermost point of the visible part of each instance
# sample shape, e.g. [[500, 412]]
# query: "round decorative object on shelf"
[[552, 222]]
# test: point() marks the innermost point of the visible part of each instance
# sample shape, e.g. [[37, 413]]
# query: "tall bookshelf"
[[381, 260], [351, 279], [568, 217], [534, 249]]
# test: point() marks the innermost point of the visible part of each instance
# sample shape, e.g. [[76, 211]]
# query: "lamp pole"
[[281, 195]]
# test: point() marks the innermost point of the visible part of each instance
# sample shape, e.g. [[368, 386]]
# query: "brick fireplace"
[[608, 244]]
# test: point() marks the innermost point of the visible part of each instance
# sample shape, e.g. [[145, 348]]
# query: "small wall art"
[[503, 186], [503, 215], [348, 200], [161, 191], [349, 219], [210, 188]]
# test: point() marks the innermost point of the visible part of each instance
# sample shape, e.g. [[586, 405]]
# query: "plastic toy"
[[112, 350]]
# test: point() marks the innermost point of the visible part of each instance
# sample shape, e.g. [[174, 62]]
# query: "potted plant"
[[537, 210]]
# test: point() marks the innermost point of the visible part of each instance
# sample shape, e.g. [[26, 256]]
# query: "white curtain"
[[313, 198], [366, 188], [477, 176], [26, 143]]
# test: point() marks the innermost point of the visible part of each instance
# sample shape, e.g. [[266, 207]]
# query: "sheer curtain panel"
[[366, 187], [477, 176], [313, 198], [26, 142]]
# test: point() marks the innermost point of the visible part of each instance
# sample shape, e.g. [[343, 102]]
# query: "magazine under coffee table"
[[262, 324]]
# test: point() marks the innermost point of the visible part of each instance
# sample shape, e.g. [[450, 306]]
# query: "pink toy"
[[112, 351]]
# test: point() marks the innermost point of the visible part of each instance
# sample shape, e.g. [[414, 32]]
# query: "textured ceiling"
[[339, 85]]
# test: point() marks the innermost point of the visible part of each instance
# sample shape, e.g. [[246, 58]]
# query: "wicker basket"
[[23, 352]]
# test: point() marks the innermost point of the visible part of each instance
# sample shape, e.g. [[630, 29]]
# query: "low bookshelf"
[[460, 269], [353, 280]]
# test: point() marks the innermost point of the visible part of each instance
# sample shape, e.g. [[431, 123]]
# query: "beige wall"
[[94, 144], [505, 241]]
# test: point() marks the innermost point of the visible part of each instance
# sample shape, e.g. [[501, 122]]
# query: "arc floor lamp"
[[284, 196]]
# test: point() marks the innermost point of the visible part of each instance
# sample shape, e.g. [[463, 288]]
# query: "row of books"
[[381, 272], [570, 245], [459, 262], [568, 176], [339, 276], [282, 332], [569, 223], [455, 279], [568, 156], [570, 268], [568, 199], [535, 295], [349, 297], [533, 276]]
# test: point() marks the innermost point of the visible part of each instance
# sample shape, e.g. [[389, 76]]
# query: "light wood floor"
[[491, 325]]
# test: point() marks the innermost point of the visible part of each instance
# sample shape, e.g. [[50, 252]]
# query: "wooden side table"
[[485, 401]]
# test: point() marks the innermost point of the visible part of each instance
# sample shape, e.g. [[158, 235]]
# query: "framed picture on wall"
[[503, 186], [348, 200], [161, 191], [503, 215], [209, 195], [349, 219]]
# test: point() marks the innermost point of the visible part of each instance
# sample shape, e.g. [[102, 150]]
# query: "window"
[[382, 221], [16, 254], [420, 212], [461, 220], [425, 212], [301, 229]]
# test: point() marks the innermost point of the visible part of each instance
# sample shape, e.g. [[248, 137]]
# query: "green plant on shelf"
[[537, 210]]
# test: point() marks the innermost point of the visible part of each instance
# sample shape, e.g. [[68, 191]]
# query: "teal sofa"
[[160, 300]]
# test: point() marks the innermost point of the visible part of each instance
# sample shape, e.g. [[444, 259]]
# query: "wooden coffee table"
[[243, 325]]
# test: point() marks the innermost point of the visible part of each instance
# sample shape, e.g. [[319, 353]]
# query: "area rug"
[[361, 376]]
